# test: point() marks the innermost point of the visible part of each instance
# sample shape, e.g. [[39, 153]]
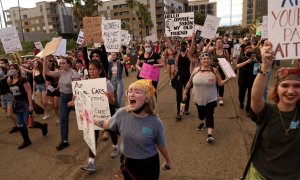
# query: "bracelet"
[[262, 72]]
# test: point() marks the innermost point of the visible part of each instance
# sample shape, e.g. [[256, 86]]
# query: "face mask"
[[249, 53], [183, 49], [148, 50], [12, 72]]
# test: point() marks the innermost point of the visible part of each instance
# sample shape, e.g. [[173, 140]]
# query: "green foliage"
[[27, 46], [199, 18]]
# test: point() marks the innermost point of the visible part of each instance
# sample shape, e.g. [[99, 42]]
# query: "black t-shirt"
[[277, 156], [52, 81], [4, 87], [152, 59], [18, 89], [246, 75], [228, 46]]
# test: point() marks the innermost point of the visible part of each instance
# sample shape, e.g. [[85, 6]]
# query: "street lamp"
[[21, 26]]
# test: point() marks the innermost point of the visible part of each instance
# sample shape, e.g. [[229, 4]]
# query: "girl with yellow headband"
[[142, 133]]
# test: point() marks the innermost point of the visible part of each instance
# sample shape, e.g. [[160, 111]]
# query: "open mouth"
[[132, 101]]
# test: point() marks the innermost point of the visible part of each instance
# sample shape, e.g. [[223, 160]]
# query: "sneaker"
[[201, 127], [24, 144], [89, 167], [62, 146], [178, 118], [14, 129], [115, 152], [221, 102], [45, 129], [46, 117], [210, 138]]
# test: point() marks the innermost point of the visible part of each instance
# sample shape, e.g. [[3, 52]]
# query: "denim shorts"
[[40, 88], [7, 100]]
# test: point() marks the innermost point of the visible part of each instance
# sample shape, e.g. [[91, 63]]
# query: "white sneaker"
[[46, 117], [89, 167], [221, 102], [210, 139]]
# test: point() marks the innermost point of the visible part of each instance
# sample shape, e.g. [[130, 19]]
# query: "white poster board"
[[10, 40], [38, 45], [95, 89], [152, 38], [283, 29], [226, 67], [210, 27], [124, 38], [87, 121], [80, 38], [111, 34], [236, 50], [62, 48], [264, 31], [179, 24]]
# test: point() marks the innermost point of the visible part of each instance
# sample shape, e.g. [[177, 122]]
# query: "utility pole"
[[4, 19], [230, 13], [21, 26]]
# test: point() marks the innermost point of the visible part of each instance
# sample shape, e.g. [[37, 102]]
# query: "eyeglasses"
[[135, 91]]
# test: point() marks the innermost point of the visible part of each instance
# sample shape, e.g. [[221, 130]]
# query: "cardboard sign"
[[180, 24], [226, 67], [92, 29], [80, 38], [283, 28], [150, 72], [210, 27], [264, 32], [62, 48], [125, 39], [87, 121], [111, 33], [95, 89], [38, 45], [51, 47], [152, 38], [10, 40]]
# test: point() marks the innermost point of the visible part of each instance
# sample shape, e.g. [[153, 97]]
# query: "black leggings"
[[179, 89], [221, 88], [140, 169], [207, 112]]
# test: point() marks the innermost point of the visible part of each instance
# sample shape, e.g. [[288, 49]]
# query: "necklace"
[[286, 130]]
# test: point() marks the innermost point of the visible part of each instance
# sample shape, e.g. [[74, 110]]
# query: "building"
[[118, 9], [42, 21], [203, 7], [253, 9]]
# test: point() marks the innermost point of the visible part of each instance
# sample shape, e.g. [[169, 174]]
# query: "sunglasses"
[[205, 54]]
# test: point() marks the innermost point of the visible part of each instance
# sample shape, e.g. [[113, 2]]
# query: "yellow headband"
[[147, 86]]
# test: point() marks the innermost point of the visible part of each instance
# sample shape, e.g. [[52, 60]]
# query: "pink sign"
[[150, 72]]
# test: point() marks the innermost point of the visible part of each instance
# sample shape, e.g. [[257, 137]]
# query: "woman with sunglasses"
[[66, 75], [276, 146], [205, 79]]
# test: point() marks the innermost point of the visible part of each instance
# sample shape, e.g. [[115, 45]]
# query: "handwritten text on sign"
[[284, 28], [180, 24], [95, 89], [111, 33], [150, 72], [226, 67], [92, 29], [10, 40], [210, 27]]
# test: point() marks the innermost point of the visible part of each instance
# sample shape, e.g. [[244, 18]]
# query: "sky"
[[223, 9]]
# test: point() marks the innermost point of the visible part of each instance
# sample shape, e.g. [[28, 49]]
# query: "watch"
[[262, 72]]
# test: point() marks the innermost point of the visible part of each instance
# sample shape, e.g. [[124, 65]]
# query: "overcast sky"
[[223, 9]]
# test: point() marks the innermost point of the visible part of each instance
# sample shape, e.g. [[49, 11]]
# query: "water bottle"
[[30, 120], [182, 107]]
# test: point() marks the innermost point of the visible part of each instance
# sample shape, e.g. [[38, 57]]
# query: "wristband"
[[263, 72]]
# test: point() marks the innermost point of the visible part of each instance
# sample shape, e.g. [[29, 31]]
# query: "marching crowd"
[[194, 73]]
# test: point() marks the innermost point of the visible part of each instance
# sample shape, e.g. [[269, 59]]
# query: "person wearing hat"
[[142, 133], [275, 150]]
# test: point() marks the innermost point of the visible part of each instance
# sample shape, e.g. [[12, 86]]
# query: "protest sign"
[[179, 24], [80, 38], [62, 48], [87, 121], [111, 33], [236, 50], [124, 38], [38, 45], [264, 31], [92, 29], [283, 28], [96, 45], [95, 89], [152, 38], [51, 47], [210, 26], [198, 30], [10, 40], [149, 72], [226, 67]]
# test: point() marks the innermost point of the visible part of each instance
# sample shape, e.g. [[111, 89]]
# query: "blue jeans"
[[22, 114], [64, 111], [119, 88]]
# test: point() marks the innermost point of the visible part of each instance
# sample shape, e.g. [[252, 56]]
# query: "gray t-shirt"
[[139, 135], [65, 80]]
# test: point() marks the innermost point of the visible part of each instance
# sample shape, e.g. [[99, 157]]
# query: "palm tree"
[[131, 4], [144, 17]]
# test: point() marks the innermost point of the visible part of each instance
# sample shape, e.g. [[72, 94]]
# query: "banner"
[[10, 40], [152, 38], [111, 33], [87, 121], [210, 27], [264, 31], [38, 45], [180, 24], [283, 28], [226, 67], [95, 89], [80, 38], [149, 72], [51, 47], [92, 29]]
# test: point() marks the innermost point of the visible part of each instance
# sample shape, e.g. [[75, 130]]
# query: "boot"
[[43, 127], [26, 140]]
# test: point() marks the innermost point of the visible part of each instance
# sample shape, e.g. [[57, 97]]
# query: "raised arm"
[[46, 69], [192, 49]]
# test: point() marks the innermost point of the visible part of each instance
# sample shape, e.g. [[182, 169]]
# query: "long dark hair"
[[99, 66]]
